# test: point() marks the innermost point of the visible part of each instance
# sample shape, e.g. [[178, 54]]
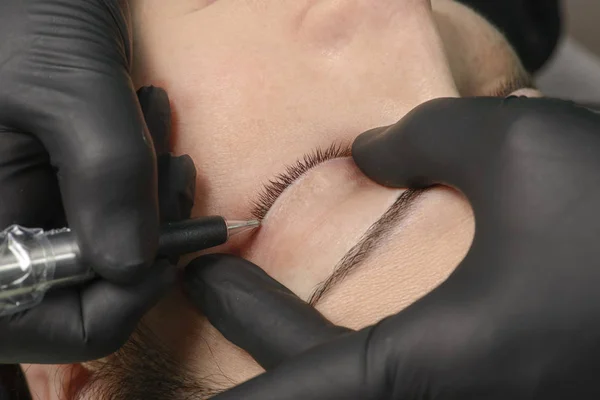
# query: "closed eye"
[[276, 186]]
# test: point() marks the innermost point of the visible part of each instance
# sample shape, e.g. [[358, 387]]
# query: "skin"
[[255, 85]]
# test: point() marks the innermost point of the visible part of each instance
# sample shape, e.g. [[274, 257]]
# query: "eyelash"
[[275, 187]]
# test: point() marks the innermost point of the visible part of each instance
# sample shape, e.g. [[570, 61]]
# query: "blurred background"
[[582, 22], [574, 70]]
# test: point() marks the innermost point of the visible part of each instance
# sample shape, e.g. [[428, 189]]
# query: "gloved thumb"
[[441, 141]]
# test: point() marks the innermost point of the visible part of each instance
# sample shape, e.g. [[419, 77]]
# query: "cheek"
[[421, 253]]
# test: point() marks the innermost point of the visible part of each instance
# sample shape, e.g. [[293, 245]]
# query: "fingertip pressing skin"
[[232, 292]]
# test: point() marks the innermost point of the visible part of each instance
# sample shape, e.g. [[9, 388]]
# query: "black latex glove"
[[520, 316], [78, 324], [70, 119]]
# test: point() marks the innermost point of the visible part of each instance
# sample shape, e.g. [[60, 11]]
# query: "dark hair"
[[12, 383], [144, 369]]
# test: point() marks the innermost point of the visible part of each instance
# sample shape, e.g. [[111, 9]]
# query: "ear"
[[55, 382]]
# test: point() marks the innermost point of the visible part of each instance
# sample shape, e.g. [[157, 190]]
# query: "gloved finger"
[[26, 176], [83, 325], [155, 105], [401, 357], [340, 370], [254, 311], [107, 174], [429, 145], [176, 187], [447, 141], [176, 175]]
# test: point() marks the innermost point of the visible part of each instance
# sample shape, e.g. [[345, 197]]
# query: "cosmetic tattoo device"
[[33, 261]]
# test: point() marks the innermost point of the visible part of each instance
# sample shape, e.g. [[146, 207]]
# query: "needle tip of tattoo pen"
[[237, 227]]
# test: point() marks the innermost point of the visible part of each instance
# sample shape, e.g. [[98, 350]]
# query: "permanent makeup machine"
[[33, 261]]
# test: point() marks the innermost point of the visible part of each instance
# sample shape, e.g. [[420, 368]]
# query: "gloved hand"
[[80, 324], [74, 148], [69, 118], [520, 316]]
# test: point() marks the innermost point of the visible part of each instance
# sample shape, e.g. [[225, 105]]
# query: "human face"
[[257, 85]]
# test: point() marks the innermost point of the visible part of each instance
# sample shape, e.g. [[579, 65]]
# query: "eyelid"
[[276, 186]]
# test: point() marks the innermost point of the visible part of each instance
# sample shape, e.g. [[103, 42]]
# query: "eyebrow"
[[370, 241]]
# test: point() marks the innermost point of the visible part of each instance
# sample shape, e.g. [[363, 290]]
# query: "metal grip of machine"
[[26, 267], [33, 261]]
